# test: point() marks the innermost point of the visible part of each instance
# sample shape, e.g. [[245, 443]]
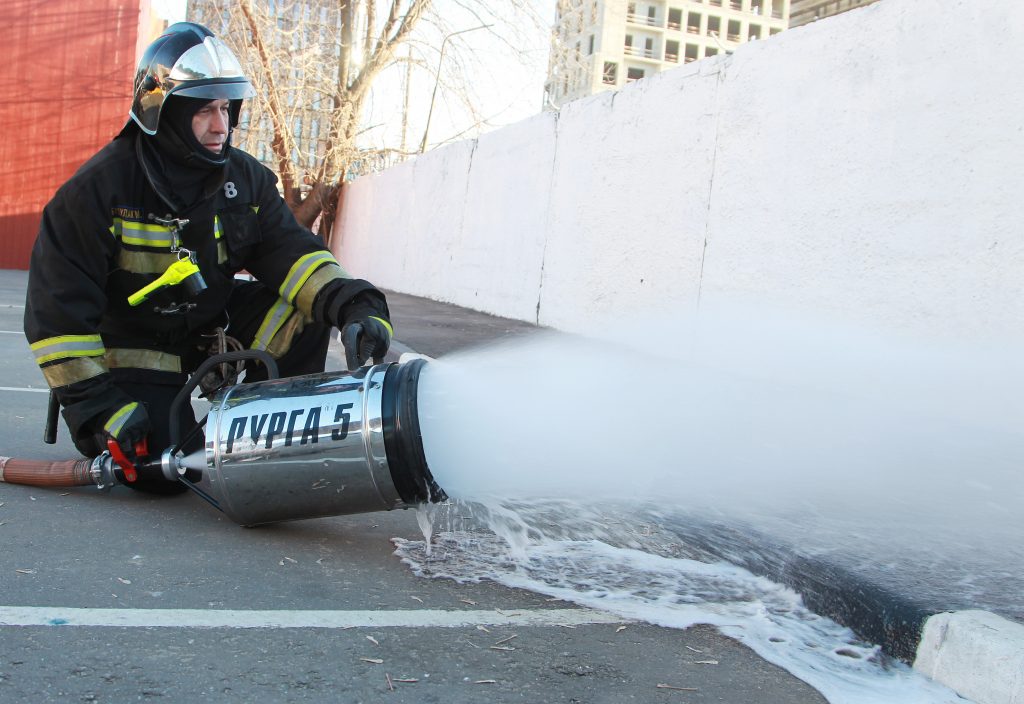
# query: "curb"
[[977, 654]]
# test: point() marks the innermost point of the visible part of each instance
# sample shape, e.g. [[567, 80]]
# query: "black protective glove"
[[365, 333], [360, 312], [127, 427]]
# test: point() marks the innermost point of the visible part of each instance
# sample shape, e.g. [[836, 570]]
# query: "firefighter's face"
[[211, 124]]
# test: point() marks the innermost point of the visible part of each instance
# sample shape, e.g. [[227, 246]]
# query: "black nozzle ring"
[[402, 438]]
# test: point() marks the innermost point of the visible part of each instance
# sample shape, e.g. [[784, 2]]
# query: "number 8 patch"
[[229, 189]]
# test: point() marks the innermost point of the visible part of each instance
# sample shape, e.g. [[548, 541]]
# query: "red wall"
[[65, 90]]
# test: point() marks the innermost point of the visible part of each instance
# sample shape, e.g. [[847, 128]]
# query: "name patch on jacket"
[[126, 212]]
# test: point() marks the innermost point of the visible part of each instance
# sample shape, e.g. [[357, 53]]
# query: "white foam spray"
[[834, 439]]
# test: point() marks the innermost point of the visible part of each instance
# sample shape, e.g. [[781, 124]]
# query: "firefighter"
[[132, 279]]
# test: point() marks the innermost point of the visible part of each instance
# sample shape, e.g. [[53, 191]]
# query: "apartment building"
[[603, 44], [805, 11]]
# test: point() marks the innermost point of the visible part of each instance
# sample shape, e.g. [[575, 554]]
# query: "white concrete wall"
[[868, 165]]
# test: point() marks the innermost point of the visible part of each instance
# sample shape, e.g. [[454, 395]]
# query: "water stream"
[[590, 468]]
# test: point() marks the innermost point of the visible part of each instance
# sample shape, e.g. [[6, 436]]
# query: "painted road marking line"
[[12, 332], [225, 618]]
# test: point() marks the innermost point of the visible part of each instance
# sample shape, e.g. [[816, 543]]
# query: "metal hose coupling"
[[313, 446]]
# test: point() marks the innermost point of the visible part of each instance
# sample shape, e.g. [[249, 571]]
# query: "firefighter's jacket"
[[99, 242]]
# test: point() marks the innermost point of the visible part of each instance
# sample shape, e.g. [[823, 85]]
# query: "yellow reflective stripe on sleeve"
[[117, 421], [142, 234], [66, 347], [282, 341], [71, 371], [391, 330], [320, 278], [272, 322], [145, 262], [302, 270], [127, 358]]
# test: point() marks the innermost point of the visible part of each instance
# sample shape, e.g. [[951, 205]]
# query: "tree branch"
[[282, 145]]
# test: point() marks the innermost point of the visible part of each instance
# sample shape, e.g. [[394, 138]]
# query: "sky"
[[503, 68], [504, 85], [170, 10]]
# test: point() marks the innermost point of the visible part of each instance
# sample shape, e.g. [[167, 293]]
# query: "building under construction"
[[600, 45]]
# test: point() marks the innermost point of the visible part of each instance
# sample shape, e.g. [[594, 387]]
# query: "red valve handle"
[[141, 450]]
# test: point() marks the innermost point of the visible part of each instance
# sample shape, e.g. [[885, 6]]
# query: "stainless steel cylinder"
[[320, 445]]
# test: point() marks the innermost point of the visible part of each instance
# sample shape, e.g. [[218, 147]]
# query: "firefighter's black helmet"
[[186, 60]]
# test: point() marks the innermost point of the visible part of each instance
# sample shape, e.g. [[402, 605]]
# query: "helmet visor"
[[212, 63], [236, 90]]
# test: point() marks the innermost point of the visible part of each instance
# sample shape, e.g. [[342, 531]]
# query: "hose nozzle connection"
[[101, 471]]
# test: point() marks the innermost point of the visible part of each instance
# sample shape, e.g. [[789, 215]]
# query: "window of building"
[[652, 15], [634, 74], [629, 41], [590, 45], [735, 4], [710, 51], [715, 3], [610, 75], [672, 51], [692, 53], [753, 32], [675, 18], [734, 30], [773, 31], [755, 6], [648, 47], [714, 26], [693, 22]]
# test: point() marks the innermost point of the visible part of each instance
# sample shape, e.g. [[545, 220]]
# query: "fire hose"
[[283, 449]]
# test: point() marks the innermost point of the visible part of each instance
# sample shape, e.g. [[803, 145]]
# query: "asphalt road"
[[122, 597]]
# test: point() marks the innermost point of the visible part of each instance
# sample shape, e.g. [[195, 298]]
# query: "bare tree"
[[314, 64]]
